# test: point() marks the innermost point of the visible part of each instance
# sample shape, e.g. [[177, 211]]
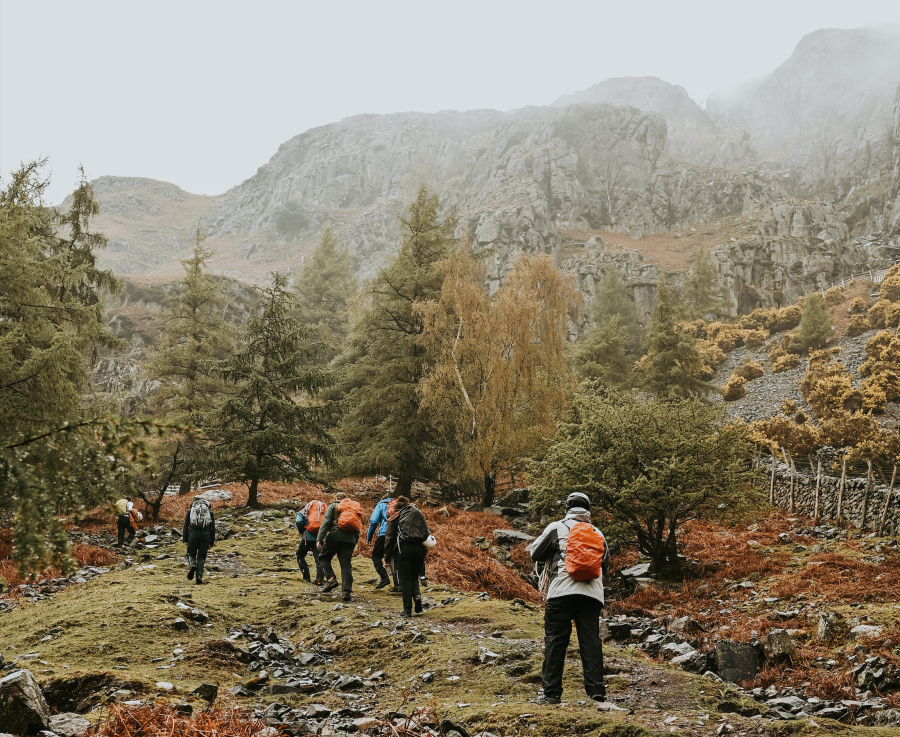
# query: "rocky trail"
[[138, 638]]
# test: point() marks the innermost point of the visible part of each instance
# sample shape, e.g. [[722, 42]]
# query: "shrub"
[[785, 362], [735, 388], [858, 306], [786, 318], [827, 386], [834, 296], [859, 324], [755, 338], [750, 370]]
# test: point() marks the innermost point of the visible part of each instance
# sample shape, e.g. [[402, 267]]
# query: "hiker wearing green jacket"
[[333, 541]]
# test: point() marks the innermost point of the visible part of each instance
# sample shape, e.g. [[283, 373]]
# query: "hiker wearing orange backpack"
[[338, 536], [309, 520], [576, 558]]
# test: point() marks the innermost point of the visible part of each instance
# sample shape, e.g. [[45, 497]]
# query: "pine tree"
[[700, 289], [815, 324], [270, 427], [324, 288], [673, 362], [196, 336], [602, 354], [385, 430]]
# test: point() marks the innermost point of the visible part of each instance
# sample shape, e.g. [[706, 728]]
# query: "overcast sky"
[[202, 93]]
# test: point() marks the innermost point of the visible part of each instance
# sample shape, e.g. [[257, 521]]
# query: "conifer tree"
[[700, 289], [385, 430], [196, 336], [270, 426], [324, 288], [613, 300], [673, 362], [815, 324], [602, 354]]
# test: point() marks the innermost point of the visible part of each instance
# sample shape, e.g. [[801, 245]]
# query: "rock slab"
[[22, 705], [736, 661]]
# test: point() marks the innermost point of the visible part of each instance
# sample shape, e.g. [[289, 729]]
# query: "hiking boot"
[[345, 596], [406, 614], [601, 696], [384, 582], [423, 580], [199, 581], [397, 590], [191, 573], [418, 609], [318, 582], [331, 585], [547, 699], [307, 579]]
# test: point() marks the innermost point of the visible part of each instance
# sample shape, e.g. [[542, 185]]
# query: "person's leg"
[[345, 558], [557, 633], [320, 577], [591, 647], [131, 532], [301, 560], [406, 573], [192, 557], [418, 552], [121, 523], [377, 555], [325, 555], [202, 550]]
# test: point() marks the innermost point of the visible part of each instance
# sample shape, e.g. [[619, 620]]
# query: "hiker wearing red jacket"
[[575, 557], [338, 536]]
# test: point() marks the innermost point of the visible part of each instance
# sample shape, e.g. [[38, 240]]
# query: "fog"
[[202, 93]]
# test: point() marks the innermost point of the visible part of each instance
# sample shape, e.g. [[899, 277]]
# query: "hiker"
[[338, 536], [309, 520], [407, 530], [125, 522], [200, 535], [575, 557], [378, 523]]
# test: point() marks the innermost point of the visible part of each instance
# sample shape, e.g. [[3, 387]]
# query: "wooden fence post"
[[791, 497], [887, 502], [865, 508], [840, 502], [818, 488], [772, 480]]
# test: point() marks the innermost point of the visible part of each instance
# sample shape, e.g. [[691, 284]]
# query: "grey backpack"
[[201, 517]]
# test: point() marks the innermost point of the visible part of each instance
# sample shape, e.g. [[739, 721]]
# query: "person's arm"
[[187, 526], [390, 540], [327, 521], [212, 529], [543, 548], [302, 524], [374, 521], [604, 566]]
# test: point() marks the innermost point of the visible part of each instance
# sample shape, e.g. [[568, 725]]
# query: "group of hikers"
[[571, 554]]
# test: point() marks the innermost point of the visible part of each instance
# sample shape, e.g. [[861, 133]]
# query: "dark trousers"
[[123, 523], [305, 547], [558, 617], [377, 558], [198, 547], [409, 564], [344, 553]]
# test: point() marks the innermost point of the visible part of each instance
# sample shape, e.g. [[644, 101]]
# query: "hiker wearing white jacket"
[[573, 588]]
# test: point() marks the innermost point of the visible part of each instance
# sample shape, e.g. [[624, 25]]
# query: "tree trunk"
[[184, 487], [490, 485], [252, 497], [404, 485], [887, 502]]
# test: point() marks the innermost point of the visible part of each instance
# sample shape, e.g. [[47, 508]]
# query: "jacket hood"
[[578, 513]]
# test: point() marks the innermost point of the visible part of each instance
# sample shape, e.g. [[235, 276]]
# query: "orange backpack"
[[314, 515], [349, 516], [584, 552]]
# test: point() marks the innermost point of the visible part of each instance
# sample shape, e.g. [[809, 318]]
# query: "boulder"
[[736, 661], [22, 705], [864, 631], [888, 718], [693, 662], [673, 650], [206, 691], [686, 626], [223, 531], [348, 683], [638, 571], [511, 537], [778, 646], [216, 495], [68, 724], [832, 626], [619, 631]]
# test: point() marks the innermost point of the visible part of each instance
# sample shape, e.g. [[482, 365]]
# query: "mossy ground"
[[118, 623]]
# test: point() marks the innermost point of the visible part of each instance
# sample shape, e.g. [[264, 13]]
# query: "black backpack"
[[411, 525]]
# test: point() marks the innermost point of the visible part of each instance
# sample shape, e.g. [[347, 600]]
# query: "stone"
[[638, 571], [693, 662], [686, 626], [511, 537], [184, 710], [888, 718], [778, 646], [364, 723], [280, 689], [216, 495], [206, 691], [788, 703], [619, 630], [349, 683], [672, 650], [180, 624], [68, 724], [241, 691], [318, 711], [223, 531], [865, 631], [832, 627], [22, 705], [736, 661], [165, 686]]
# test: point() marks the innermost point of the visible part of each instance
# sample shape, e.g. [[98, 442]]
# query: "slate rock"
[[216, 495], [619, 631], [318, 711], [240, 691], [736, 661], [864, 631], [637, 571], [282, 689], [349, 683], [22, 705], [68, 724], [206, 691], [778, 646], [888, 718], [307, 659], [832, 626], [674, 649], [693, 662], [224, 531], [686, 626], [511, 537], [180, 624]]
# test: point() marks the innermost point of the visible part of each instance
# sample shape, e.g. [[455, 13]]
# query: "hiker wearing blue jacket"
[[308, 543], [378, 523]]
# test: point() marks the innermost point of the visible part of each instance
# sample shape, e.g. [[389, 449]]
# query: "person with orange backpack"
[[575, 557], [338, 536], [309, 520]]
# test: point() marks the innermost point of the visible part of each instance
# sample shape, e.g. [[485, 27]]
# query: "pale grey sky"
[[202, 93]]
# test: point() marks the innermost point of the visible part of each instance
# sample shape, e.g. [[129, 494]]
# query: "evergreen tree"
[[324, 289], [602, 354], [196, 335], [700, 289], [815, 324], [673, 362], [612, 299], [385, 430], [270, 427]]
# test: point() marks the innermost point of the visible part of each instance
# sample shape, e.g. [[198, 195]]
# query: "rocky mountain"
[[792, 181]]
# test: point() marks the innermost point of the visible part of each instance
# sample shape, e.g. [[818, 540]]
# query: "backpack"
[[315, 510], [301, 521], [201, 518], [121, 507], [584, 552], [411, 525], [349, 516]]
